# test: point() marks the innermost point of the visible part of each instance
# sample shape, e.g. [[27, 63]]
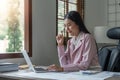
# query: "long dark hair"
[[75, 17]]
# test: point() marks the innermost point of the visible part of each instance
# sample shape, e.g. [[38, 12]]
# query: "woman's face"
[[71, 27]]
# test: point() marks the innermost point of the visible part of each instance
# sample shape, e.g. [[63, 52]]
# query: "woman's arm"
[[64, 56]]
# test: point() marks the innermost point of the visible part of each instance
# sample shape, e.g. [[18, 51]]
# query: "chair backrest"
[[104, 54], [114, 61], [109, 56]]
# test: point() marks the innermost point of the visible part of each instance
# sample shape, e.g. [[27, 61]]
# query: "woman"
[[81, 51]]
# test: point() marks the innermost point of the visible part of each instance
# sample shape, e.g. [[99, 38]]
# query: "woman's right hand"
[[60, 39], [55, 68]]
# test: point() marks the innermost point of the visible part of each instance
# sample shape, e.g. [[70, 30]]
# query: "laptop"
[[36, 69]]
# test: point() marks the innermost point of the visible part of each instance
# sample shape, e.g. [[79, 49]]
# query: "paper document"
[[89, 72], [103, 75], [66, 76], [59, 76]]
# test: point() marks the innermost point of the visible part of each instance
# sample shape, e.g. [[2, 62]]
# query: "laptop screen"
[[27, 59], [36, 69]]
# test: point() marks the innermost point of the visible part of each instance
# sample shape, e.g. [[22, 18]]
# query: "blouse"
[[80, 56]]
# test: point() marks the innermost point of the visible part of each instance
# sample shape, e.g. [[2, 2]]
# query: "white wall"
[[95, 13], [44, 32], [44, 28]]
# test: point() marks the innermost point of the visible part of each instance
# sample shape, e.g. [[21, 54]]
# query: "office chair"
[[104, 54], [109, 56]]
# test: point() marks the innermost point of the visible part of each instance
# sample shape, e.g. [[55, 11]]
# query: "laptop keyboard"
[[39, 69]]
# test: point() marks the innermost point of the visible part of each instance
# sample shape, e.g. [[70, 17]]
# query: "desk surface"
[[28, 75], [15, 75]]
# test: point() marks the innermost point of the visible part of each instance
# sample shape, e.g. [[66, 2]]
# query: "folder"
[[6, 67]]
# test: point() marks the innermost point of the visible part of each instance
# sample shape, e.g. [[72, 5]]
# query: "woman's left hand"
[[55, 68]]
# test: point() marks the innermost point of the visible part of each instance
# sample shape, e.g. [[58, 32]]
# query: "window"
[[64, 6], [15, 28], [113, 13]]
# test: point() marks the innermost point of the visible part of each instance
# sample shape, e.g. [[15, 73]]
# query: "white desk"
[[27, 75]]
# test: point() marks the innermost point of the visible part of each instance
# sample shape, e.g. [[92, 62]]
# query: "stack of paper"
[[5, 67]]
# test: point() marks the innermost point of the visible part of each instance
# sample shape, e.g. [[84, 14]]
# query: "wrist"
[[60, 44]]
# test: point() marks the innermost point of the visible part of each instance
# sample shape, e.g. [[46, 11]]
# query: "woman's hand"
[[60, 39], [55, 68]]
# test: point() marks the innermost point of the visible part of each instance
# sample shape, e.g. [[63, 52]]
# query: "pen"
[[63, 31]]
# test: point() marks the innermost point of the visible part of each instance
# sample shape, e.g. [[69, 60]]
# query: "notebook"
[[29, 63]]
